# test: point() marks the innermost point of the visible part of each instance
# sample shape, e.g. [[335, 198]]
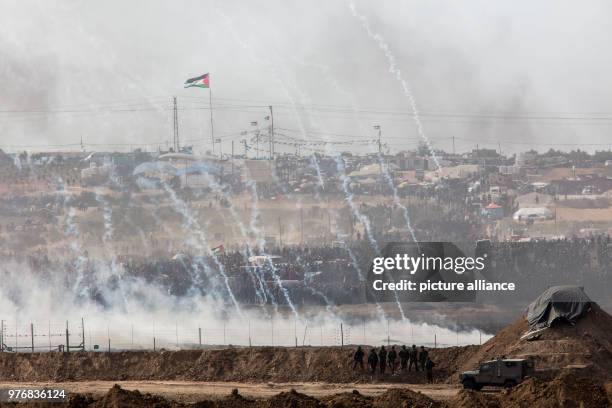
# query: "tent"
[[566, 303]]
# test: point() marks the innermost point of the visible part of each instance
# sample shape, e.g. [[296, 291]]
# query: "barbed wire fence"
[[71, 336]]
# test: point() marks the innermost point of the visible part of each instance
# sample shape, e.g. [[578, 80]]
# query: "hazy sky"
[[515, 74]]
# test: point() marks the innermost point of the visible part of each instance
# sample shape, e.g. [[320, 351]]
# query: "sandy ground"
[[187, 391]]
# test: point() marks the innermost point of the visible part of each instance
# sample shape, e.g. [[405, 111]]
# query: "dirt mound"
[[348, 400], [474, 399], [567, 390], [291, 399], [257, 364], [588, 344], [117, 397], [234, 400], [404, 398]]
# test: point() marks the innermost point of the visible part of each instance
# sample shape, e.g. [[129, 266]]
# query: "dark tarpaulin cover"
[[557, 302]]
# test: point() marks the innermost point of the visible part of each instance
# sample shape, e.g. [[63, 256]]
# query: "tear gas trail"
[[362, 217], [229, 24], [393, 68], [107, 213], [349, 197], [258, 283], [271, 265], [72, 232], [330, 78], [396, 198], [191, 222]]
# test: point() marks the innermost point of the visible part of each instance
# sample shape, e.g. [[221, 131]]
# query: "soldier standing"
[[413, 354], [429, 365], [373, 360], [382, 359], [404, 356], [392, 356], [423, 355], [358, 358]]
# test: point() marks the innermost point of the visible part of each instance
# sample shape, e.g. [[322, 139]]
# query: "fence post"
[[364, 332], [67, 339], [388, 334], [153, 343], [321, 336], [32, 335], [341, 336], [200, 336], [109, 344]]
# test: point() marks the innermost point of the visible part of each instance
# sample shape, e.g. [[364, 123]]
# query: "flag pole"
[[212, 131]]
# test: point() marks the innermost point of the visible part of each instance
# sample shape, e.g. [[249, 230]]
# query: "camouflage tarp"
[[558, 302]]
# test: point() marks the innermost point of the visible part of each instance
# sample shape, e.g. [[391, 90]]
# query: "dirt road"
[[186, 391]]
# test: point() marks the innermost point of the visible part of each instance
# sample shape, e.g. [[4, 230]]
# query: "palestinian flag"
[[219, 249], [203, 81]]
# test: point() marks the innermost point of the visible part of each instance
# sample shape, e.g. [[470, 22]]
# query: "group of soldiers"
[[407, 358]]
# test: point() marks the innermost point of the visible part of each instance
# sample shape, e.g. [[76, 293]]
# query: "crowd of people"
[[396, 361], [337, 273], [543, 263]]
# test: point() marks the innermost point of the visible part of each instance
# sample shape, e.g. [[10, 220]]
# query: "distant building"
[[410, 161]]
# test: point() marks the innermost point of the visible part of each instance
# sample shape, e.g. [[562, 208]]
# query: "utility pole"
[[254, 123], [377, 127], [453, 145], [280, 232], [232, 159], [388, 334], [271, 133], [176, 128], [212, 129], [67, 339]]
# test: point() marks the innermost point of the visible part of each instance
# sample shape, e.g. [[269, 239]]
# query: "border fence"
[[71, 336]]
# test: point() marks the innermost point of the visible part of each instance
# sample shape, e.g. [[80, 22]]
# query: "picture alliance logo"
[[412, 264]]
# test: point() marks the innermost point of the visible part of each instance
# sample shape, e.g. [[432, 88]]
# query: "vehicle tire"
[[509, 383], [469, 384]]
